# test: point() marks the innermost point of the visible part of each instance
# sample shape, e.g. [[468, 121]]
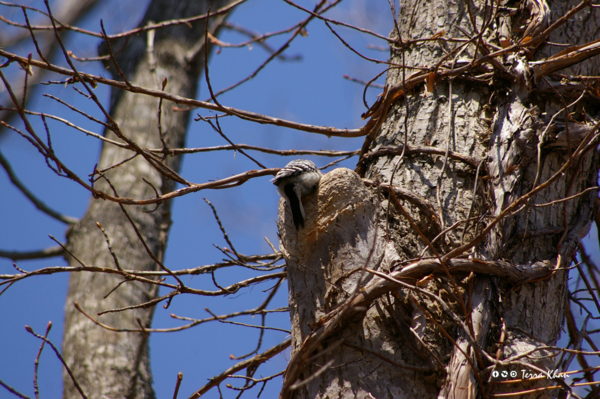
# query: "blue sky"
[[309, 91]]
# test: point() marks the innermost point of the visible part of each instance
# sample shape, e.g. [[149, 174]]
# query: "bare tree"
[[450, 262], [437, 266], [105, 362]]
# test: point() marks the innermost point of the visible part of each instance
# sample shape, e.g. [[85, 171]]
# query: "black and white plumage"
[[298, 179]]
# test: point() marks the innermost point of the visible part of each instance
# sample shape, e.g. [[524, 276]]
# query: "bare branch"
[[38, 204], [23, 255], [13, 391], [253, 362]]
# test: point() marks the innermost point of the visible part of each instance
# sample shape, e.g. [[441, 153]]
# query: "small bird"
[[298, 179]]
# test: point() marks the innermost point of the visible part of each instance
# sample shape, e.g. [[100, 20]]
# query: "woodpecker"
[[298, 179]]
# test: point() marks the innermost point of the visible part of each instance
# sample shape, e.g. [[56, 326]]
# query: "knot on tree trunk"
[[338, 238], [325, 265]]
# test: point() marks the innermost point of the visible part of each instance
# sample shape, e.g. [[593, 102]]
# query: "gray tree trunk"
[[117, 364], [358, 335]]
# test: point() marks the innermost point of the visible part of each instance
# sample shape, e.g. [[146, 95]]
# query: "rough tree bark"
[[106, 363], [356, 334]]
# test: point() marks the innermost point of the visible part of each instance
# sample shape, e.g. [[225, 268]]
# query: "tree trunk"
[[117, 364], [456, 152]]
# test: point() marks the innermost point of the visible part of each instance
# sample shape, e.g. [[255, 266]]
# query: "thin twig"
[[62, 360], [248, 325], [177, 384], [37, 362]]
